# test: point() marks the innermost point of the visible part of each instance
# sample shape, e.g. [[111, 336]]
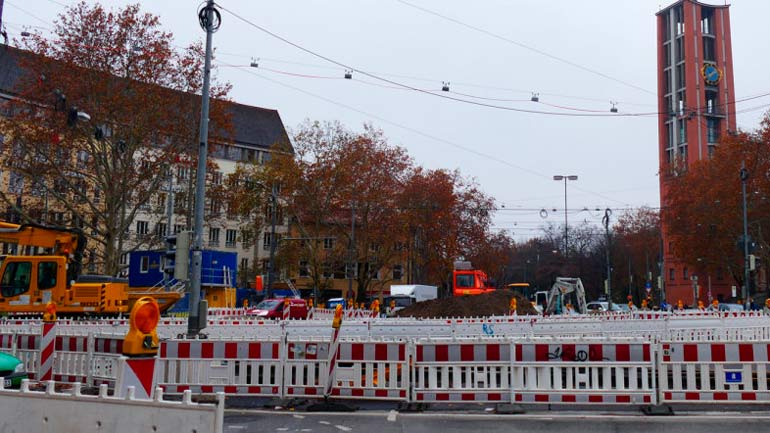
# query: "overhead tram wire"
[[526, 47], [414, 131], [433, 80], [438, 95]]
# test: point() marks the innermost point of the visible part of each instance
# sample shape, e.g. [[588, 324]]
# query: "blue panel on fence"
[[733, 377]]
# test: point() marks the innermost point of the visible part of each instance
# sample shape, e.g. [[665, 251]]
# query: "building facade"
[[255, 135], [696, 106]]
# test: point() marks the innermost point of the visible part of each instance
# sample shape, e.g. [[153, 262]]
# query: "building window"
[[708, 49], [328, 243], [142, 227], [213, 237], [266, 240], [671, 274], [160, 229], [216, 178], [215, 207], [244, 264], [712, 130], [398, 271], [304, 270], [685, 273], [16, 183], [246, 240], [326, 269], [178, 228], [182, 173], [230, 238], [144, 264], [707, 21]]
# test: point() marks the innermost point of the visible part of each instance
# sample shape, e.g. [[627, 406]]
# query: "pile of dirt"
[[490, 304]]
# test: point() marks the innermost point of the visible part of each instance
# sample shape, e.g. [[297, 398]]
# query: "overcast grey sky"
[[511, 154]]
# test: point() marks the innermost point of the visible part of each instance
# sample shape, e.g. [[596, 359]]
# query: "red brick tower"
[[696, 105]]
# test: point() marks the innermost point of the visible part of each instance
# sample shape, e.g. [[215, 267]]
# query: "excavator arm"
[[561, 288]]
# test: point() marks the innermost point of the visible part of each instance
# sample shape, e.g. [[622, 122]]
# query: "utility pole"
[[606, 222], [273, 241], [351, 249], [210, 20]]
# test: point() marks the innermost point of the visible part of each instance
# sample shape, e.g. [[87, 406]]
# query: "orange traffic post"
[[136, 369]]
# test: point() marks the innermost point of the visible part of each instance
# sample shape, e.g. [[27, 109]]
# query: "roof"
[[678, 2], [252, 126]]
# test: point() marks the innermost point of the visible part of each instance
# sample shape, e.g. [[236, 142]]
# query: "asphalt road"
[[243, 421]]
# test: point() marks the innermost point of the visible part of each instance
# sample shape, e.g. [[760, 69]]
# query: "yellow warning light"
[[337, 321], [513, 304], [50, 312], [142, 336]]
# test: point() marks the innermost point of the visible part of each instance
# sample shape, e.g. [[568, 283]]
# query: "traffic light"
[[178, 255], [142, 336]]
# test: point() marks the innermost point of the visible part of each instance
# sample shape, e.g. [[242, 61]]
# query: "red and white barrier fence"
[[532, 370], [709, 372], [584, 372]]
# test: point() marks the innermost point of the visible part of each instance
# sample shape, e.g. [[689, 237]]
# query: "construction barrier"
[[584, 372], [232, 367], [708, 372], [477, 371], [371, 371], [305, 368]]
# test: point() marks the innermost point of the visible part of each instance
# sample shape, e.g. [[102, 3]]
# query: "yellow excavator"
[[46, 268]]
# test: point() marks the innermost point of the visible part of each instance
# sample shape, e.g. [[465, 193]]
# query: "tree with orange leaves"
[[705, 205], [104, 110]]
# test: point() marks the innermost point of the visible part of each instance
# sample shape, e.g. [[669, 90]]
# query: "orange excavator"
[[45, 267]]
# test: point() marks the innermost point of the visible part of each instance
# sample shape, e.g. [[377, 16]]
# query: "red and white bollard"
[[47, 343], [334, 348]]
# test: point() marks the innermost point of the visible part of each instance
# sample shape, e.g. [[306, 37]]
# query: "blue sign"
[[733, 376]]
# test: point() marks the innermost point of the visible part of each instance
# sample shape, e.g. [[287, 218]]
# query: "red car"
[[273, 309]]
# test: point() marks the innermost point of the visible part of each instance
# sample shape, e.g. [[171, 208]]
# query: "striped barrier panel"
[[477, 371], [28, 351], [72, 362], [232, 367], [7, 341], [583, 372], [371, 371], [707, 372], [305, 370]]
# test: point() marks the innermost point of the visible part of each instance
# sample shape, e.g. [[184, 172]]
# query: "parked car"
[[602, 306], [730, 307], [11, 370], [272, 308]]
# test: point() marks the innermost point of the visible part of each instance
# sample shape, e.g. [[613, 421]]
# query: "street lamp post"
[[273, 242], [565, 179], [744, 173]]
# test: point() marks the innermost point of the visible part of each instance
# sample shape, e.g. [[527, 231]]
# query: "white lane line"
[[299, 416], [343, 428], [392, 415], [236, 427], [282, 429], [324, 422]]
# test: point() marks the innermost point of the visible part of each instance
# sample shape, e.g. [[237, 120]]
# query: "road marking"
[[282, 428], [324, 422], [236, 427], [299, 416], [392, 416], [343, 428]]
